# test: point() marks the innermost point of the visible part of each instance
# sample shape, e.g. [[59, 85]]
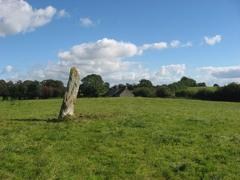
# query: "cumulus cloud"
[[178, 69], [179, 44], [109, 58], [8, 69], [104, 48], [159, 45], [169, 73], [164, 45], [213, 40], [86, 22], [18, 16], [221, 75], [10, 73], [223, 72], [106, 57], [63, 13], [175, 43]]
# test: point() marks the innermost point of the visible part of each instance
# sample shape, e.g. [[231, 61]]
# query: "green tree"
[[17, 90], [188, 82], [144, 91], [4, 89], [93, 86], [164, 91], [52, 88], [32, 89], [202, 84], [145, 83]]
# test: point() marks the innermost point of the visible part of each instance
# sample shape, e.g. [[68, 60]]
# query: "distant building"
[[120, 92]]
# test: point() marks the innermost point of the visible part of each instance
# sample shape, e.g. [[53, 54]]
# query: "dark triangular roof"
[[118, 90]]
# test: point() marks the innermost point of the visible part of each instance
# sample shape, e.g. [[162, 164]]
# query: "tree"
[[144, 91], [32, 89], [17, 90], [202, 84], [176, 86], [46, 92], [52, 88], [130, 86], [188, 82], [164, 91], [145, 83], [230, 92], [4, 89], [93, 86]]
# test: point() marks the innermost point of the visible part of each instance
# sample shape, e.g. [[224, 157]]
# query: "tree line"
[[94, 86]]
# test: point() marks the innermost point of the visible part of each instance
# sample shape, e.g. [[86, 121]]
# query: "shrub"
[[230, 92], [202, 84], [144, 92], [187, 93], [205, 94], [164, 91]]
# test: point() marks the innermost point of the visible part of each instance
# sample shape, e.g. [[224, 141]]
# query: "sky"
[[123, 41]]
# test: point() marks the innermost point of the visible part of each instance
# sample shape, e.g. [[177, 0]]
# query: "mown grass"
[[120, 138]]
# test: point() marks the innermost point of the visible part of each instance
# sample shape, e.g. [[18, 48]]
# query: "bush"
[[164, 91], [187, 93], [202, 84], [205, 94], [176, 86], [144, 92], [230, 92]]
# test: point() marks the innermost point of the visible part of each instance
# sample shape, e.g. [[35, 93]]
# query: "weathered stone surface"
[[67, 109]]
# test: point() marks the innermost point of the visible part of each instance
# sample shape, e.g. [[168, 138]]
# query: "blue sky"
[[206, 35]]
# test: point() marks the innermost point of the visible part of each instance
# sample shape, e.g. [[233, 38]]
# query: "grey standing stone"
[[70, 97]]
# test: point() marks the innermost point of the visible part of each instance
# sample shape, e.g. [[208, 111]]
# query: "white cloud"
[[227, 72], [170, 73], [109, 58], [179, 44], [187, 44], [164, 45], [18, 16], [63, 13], [7, 69], [213, 40], [104, 57], [178, 69], [104, 48], [159, 45], [175, 43], [221, 75], [86, 22]]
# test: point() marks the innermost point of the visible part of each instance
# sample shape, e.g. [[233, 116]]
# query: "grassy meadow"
[[120, 138]]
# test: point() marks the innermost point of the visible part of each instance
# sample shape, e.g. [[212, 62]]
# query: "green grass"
[[196, 89], [120, 138]]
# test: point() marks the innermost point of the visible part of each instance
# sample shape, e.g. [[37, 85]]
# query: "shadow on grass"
[[76, 118], [53, 120]]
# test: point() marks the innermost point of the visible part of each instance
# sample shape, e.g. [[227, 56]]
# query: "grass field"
[[196, 89], [120, 138]]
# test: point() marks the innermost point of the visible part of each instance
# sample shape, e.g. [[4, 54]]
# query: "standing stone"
[[70, 97]]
